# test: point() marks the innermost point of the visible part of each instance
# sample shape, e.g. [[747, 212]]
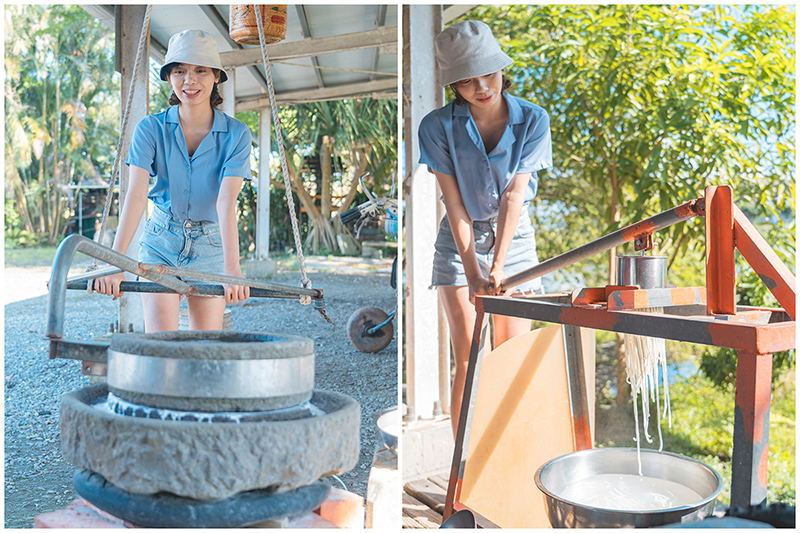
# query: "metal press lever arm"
[[634, 231]]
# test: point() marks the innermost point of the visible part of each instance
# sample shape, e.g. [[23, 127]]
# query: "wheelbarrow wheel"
[[361, 322]]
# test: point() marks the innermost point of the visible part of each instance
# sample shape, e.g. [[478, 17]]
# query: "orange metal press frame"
[[705, 315]]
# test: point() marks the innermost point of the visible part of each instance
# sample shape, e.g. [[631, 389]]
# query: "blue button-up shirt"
[[451, 144], [188, 187]]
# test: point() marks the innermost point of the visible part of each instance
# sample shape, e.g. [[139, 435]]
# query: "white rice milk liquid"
[[629, 492]]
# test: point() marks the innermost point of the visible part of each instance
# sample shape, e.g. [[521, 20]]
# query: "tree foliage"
[[328, 146], [61, 113], [650, 104]]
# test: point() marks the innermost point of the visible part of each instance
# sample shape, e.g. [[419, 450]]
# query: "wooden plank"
[[327, 93], [421, 512], [428, 493], [440, 479], [410, 523], [523, 387]]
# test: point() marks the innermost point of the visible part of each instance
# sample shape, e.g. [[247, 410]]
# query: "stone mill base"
[[341, 509], [206, 461]]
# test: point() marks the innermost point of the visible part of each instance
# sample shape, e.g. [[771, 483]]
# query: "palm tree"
[[348, 137]]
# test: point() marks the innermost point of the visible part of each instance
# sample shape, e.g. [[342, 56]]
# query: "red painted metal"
[[581, 433], [720, 261], [725, 331], [751, 429], [769, 267], [642, 298], [597, 295]]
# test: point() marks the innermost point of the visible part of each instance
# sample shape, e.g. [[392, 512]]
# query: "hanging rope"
[[305, 300], [123, 128]]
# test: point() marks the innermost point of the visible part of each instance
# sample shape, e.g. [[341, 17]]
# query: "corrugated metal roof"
[[330, 51]]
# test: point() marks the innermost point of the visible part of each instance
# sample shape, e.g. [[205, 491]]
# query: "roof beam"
[[452, 12], [330, 93], [216, 19], [376, 55], [312, 47], [301, 15]]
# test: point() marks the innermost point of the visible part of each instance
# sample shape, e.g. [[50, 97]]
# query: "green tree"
[[347, 137], [649, 105], [61, 111]]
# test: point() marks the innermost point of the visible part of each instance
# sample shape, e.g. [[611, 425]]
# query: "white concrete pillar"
[[422, 332], [129, 21], [262, 266], [262, 201]]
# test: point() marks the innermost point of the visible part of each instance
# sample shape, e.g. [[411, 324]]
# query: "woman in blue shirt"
[[199, 158], [484, 148]]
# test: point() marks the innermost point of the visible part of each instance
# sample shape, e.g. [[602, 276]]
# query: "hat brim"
[[164, 72], [474, 69]]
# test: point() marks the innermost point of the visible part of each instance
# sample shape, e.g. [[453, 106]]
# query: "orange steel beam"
[[751, 429], [720, 261], [757, 252]]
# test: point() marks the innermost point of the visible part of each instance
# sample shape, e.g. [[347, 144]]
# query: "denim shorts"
[[189, 244], [448, 270]]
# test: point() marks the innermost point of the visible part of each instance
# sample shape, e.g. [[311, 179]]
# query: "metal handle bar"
[[160, 274], [274, 289], [200, 289], [660, 221]]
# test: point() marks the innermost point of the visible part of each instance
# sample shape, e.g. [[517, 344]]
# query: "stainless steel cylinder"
[[646, 271], [211, 371]]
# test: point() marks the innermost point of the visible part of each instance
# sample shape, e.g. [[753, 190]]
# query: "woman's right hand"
[[480, 286], [109, 284]]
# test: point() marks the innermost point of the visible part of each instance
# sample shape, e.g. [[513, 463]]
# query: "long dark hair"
[[460, 100], [215, 98]]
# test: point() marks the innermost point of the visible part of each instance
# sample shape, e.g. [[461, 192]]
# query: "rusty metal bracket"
[[91, 368], [643, 242], [90, 351]]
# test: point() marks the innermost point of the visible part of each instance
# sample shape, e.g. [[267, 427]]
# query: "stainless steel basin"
[[554, 477]]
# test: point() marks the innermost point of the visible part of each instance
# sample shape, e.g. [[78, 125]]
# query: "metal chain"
[[305, 300], [123, 129]]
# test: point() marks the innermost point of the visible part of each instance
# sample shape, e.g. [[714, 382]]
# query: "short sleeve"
[[537, 153], [433, 146], [142, 150], [238, 162]]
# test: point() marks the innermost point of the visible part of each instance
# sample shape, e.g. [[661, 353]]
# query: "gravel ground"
[[38, 480]]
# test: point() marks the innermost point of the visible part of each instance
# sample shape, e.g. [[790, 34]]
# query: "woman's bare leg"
[[461, 321], [507, 327], [205, 313], [160, 312]]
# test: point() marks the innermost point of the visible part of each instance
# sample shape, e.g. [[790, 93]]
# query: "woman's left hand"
[[235, 293], [497, 277]]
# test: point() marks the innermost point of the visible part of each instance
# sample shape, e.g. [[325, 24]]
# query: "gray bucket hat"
[[193, 47], [468, 50]]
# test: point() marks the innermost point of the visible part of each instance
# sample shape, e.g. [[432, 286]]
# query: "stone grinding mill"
[[201, 429], [198, 429]]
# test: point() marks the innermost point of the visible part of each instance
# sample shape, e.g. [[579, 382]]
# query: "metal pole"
[[198, 289], [749, 472], [612, 240], [231, 280], [274, 288]]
